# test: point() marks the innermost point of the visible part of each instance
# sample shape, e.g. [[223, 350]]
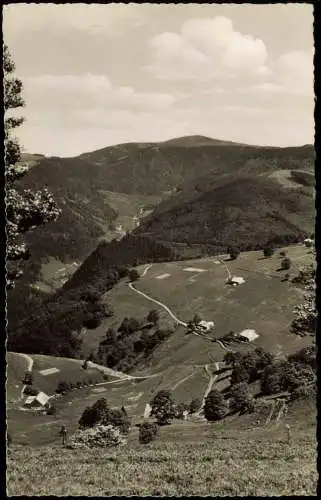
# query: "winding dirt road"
[[172, 315]]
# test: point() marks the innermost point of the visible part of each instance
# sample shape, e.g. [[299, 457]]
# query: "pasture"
[[229, 458], [264, 303]]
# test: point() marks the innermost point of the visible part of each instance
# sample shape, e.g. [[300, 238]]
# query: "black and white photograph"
[[160, 261]]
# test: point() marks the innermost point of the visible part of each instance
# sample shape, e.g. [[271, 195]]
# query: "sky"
[[99, 75]]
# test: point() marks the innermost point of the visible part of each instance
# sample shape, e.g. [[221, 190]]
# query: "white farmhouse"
[[206, 325], [236, 281], [38, 401], [249, 334]]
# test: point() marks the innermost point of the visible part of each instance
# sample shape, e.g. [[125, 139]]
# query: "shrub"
[[63, 386], [215, 407], [234, 253], [9, 439], [163, 407], [282, 254], [117, 418], [28, 379], [153, 316], [285, 264], [106, 376], [133, 275], [232, 358], [239, 374], [180, 409], [147, 432], [240, 398], [30, 391], [101, 436], [306, 356], [197, 319], [52, 409], [268, 251], [194, 405]]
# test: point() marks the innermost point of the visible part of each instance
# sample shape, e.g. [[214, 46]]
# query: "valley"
[[160, 247]]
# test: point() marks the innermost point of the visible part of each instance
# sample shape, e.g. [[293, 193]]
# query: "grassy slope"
[[92, 187], [187, 458], [264, 302]]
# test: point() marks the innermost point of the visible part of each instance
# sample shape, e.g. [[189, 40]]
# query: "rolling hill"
[[187, 191]]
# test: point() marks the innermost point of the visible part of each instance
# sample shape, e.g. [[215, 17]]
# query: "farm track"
[[212, 379], [172, 315], [29, 368]]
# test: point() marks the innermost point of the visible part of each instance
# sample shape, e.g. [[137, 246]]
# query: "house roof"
[[29, 400], [249, 334], [42, 398], [237, 279]]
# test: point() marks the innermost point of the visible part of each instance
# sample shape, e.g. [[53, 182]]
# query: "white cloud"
[[207, 48], [73, 92], [295, 72]]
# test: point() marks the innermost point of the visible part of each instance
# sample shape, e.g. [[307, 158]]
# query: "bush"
[[30, 391], [285, 264], [194, 405], [28, 379], [133, 275], [282, 254], [239, 374], [101, 436], [9, 439], [232, 358], [163, 407], [180, 409], [63, 387], [51, 410], [147, 432], [215, 407], [268, 251], [153, 316], [117, 418], [234, 253], [240, 398], [306, 356]]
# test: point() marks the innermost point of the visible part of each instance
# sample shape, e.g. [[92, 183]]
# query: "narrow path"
[[227, 269], [27, 358], [212, 378], [176, 319], [146, 269], [29, 368], [182, 380], [172, 315]]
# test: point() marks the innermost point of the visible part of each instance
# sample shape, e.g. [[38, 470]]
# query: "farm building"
[[38, 401], [206, 325], [249, 334], [308, 242], [236, 280]]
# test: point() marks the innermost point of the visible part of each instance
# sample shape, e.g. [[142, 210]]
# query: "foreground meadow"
[[199, 459]]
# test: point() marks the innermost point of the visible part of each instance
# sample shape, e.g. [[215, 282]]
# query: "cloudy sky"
[[97, 75]]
